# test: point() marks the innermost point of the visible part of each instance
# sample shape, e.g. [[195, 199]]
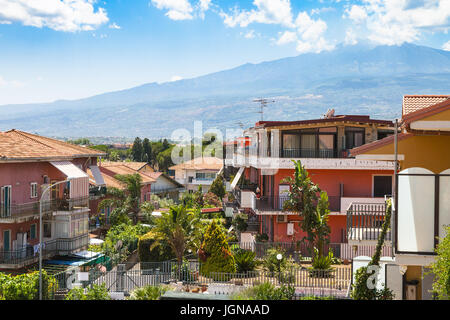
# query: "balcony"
[[28, 255], [22, 212], [275, 203], [365, 221]]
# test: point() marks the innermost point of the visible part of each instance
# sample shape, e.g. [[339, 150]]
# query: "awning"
[[69, 169], [97, 175], [237, 177]]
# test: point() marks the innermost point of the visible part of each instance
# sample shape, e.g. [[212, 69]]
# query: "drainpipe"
[[394, 198]]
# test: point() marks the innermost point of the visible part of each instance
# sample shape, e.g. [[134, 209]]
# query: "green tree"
[[137, 150], [441, 268], [178, 228], [147, 150], [217, 187], [311, 204], [215, 252], [127, 200]]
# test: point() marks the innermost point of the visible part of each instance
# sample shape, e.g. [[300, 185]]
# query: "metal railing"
[[32, 208], [30, 254], [308, 153], [365, 221], [270, 203]]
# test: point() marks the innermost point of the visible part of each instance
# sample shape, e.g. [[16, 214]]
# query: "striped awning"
[[69, 169]]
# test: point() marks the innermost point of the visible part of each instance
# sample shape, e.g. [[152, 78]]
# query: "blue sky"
[[53, 49]]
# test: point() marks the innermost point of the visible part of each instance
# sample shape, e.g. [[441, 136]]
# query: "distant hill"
[[351, 79]]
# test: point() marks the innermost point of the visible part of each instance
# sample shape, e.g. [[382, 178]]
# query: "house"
[[156, 183], [422, 189], [197, 172], [42, 173], [322, 146]]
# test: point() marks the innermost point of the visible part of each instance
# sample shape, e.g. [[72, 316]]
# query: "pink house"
[[30, 165]]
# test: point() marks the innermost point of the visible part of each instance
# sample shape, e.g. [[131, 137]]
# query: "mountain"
[[356, 79]]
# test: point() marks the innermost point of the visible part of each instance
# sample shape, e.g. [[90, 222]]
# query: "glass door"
[[5, 209]]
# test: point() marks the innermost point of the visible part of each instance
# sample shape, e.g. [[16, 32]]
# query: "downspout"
[[394, 202]]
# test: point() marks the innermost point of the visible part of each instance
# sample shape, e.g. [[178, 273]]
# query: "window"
[[205, 176], [382, 185], [33, 193], [33, 231], [354, 137]]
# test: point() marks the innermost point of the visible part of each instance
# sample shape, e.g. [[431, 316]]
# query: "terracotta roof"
[[204, 163], [379, 143], [337, 118], [412, 103], [112, 170], [426, 112], [20, 145], [109, 181], [131, 164]]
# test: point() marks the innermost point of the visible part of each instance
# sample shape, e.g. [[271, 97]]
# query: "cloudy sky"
[[68, 49]]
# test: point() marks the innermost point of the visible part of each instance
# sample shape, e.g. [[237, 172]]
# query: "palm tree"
[[128, 199], [179, 228], [311, 203]]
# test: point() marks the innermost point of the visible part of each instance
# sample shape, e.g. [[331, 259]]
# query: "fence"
[[297, 251], [334, 282], [364, 221]]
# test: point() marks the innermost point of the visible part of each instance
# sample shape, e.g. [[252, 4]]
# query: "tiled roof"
[[379, 143], [20, 145], [426, 111], [113, 169], [204, 163], [412, 103], [131, 164], [109, 181]]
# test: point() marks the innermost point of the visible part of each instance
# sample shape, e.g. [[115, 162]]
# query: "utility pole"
[[263, 103]]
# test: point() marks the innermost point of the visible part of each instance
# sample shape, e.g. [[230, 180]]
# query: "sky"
[[71, 49]]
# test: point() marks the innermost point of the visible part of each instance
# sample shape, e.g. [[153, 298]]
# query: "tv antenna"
[[263, 103]]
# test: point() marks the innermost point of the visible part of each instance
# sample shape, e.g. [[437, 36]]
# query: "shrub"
[[26, 286], [148, 293], [271, 263], [218, 257], [321, 266], [217, 187], [261, 237], [96, 292], [162, 252], [245, 260], [266, 291], [210, 199], [441, 268]]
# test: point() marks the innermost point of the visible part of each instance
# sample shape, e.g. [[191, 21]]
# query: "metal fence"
[[364, 221]]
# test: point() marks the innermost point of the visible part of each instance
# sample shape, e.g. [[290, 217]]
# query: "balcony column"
[[340, 138]]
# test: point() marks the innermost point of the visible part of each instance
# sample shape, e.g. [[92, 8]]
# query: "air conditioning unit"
[[282, 218]]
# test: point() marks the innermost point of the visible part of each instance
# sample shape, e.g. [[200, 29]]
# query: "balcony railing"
[[308, 153], [32, 208], [365, 221], [29, 254], [275, 203]]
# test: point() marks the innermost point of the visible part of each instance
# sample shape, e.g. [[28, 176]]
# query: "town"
[[293, 210]]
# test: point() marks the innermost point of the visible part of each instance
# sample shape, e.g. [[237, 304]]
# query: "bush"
[[26, 286], [217, 187], [245, 260], [441, 268], [271, 263], [261, 237], [148, 293], [161, 252], [96, 292], [239, 223], [210, 199], [266, 291], [216, 252]]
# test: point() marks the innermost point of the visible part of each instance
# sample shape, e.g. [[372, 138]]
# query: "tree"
[[215, 252], [147, 150], [137, 150], [311, 204], [441, 268], [127, 200], [217, 187], [178, 228]]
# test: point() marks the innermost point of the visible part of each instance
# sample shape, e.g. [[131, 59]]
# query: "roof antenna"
[[263, 103]]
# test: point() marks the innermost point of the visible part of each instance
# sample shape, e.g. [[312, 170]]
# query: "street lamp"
[[279, 258], [41, 233]]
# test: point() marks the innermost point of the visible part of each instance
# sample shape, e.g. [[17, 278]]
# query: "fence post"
[[120, 278]]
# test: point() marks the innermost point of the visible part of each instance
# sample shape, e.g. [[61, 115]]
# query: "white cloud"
[[310, 34], [267, 11], [394, 22], [446, 46], [68, 16], [11, 83], [250, 34], [350, 37], [203, 6], [114, 26], [287, 37], [183, 9]]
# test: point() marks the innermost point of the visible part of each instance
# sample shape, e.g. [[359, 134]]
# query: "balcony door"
[[6, 240], [5, 209], [282, 195]]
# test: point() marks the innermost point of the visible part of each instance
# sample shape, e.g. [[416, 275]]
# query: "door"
[[5, 209], [282, 194], [6, 240]]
